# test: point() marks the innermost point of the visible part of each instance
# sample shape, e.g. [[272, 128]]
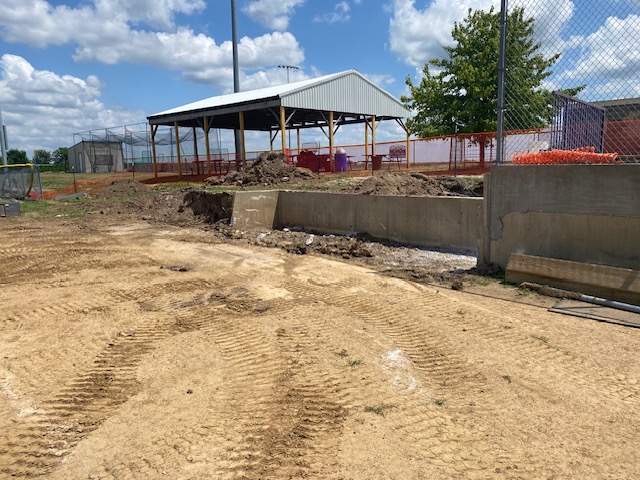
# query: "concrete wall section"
[[426, 221], [585, 213], [254, 209]]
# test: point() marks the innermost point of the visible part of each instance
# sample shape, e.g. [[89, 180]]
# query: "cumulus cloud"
[[417, 36], [607, 61], [104, 33], [42, 109], [340, 13], [272, 14]]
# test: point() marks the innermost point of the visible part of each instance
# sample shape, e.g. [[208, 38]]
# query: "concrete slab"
[[613, 283]]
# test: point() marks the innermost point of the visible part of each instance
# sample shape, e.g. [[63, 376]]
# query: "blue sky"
[[70, 66]]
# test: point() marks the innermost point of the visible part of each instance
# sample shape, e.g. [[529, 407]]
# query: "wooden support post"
[[244, 152], [373, 135], [195, 143], [154, 129], [270, 142], [175, 125], [366, 142], [206, 144], [331, 155], [408, 149], [298, 152], [283, 130]]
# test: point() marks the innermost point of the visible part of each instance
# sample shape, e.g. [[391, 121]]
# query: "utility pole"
[[236, 77], [289, 68]]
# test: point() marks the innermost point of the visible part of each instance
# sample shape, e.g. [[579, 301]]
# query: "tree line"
[[57, 159]]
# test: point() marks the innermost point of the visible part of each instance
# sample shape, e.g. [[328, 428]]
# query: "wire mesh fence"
[[20, 181], [570, 73], [129, 147]]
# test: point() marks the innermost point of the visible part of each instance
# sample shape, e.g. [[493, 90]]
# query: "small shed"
[[326, 102], [96, 156]]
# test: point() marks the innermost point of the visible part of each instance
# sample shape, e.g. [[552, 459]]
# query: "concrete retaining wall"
[[426, 221], [584, 213]]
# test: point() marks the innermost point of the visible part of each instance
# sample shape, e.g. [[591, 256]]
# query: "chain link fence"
[[569, 82]]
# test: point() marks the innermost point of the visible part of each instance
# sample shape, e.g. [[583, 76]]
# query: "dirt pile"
[[213, 207], [387, 183], [269, 168], [124, 187]]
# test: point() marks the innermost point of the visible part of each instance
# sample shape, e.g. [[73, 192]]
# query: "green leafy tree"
[[460, 94], [60, 156], [42, 157], [15, 157]]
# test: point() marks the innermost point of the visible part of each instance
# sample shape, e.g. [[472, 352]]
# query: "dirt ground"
[[138, 341]]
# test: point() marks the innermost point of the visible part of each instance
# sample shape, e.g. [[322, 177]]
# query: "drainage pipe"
[[610, 303]]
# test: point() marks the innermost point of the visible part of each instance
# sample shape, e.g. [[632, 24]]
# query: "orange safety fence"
[[557, 157]]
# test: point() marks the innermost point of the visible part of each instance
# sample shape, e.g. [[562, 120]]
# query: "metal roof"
[[348, 94]]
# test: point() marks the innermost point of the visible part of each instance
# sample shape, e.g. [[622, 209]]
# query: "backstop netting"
[[20, 181], [129, 147], [571, 76]]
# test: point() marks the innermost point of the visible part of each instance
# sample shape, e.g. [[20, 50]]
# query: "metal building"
[[326, 102]]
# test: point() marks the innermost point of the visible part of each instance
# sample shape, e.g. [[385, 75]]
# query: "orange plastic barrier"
[[556, 157]]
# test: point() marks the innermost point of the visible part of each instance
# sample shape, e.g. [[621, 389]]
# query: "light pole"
[[289, 68], [236, 80]]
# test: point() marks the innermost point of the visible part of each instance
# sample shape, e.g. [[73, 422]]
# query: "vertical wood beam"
[[373, 136], [366, 142], [175, 125], [244, 152], [331, 156], [206, 144], [154, 129], [283, 130]]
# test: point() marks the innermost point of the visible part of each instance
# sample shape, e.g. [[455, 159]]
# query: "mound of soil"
[[387, 183], [269, 168], [124, 187]]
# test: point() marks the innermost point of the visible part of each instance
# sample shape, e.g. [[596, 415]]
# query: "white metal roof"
[[347, 92]]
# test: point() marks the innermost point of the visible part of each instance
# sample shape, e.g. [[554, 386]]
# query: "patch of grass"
[[355, 363], [50, 209], [506, 378], [440, 401], [380, 409], [525, 291], [460, 312], [483, 281], [507, 327]]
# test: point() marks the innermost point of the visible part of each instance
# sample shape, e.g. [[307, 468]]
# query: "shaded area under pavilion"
[[327, 103]]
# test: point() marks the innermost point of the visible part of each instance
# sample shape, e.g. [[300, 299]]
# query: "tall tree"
[[461, 93], [41, 156], [16, 157], [60, 156]]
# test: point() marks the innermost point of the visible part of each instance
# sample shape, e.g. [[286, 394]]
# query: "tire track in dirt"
[[416, 412], [545, 359], [37, 444]]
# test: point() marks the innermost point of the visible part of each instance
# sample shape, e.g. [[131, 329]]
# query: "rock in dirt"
[[270, 168]]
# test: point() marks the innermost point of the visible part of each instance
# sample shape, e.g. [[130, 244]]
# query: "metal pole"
[[236, 76], [501, 78], [3, 141]]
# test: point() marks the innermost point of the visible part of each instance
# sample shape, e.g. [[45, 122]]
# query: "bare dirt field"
[[137, 342]]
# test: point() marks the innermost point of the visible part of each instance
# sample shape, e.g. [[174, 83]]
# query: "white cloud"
[[340, 13], [103, 33], [417, 36], [608, 63], [273, 14], [42, 109]]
